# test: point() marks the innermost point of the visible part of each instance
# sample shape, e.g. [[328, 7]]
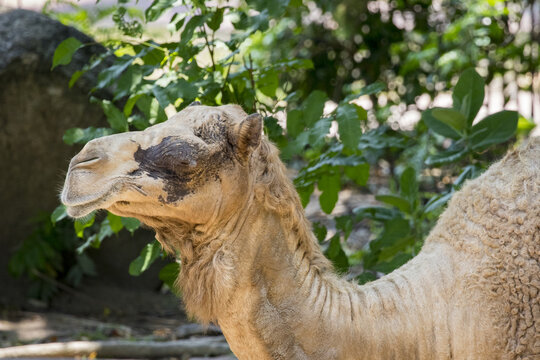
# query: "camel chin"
[[80, 211]]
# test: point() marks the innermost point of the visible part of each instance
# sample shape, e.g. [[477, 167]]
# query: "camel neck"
[[285, 306], [266, 283], [287, 302]]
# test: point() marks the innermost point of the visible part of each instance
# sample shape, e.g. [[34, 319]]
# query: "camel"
[[213, 188]]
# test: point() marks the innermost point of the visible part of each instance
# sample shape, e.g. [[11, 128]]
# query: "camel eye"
[[186, 163]]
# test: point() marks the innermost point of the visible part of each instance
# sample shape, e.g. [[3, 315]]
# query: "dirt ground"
[[103, 313]]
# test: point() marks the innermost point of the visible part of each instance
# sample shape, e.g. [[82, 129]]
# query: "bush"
[[253, 68]]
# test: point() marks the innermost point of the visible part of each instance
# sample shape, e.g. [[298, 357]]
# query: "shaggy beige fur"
[[215, 191]]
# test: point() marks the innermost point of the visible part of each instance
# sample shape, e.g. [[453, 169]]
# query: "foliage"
[[48, 255], [276, 62], [457, 123], [415, 47]]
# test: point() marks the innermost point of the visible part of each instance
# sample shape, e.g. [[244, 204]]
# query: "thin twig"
[[252, 81], [227, 76], [71, 290], [210, 49]]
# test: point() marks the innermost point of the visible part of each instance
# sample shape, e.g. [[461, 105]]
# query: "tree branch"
[[121, 349]]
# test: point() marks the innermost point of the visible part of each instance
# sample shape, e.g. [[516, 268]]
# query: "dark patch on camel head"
[[183, 165]]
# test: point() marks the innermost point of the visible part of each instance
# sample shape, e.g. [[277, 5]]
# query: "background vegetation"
[[334, 81]]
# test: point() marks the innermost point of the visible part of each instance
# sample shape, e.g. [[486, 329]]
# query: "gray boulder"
[[36, 107]]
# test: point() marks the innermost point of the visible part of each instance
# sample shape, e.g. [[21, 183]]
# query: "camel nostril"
[[86, 161]]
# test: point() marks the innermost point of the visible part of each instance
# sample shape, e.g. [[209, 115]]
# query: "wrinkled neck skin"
[[272, 302]]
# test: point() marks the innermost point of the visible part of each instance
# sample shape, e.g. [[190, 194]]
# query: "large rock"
[[36, 107]]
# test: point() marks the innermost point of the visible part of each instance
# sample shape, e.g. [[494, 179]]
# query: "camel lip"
[[82, 209], [84, 201]]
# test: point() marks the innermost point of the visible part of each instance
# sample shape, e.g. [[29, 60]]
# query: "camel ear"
[[246, 136]]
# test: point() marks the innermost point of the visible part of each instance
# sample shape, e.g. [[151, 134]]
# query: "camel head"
[[191, 169]]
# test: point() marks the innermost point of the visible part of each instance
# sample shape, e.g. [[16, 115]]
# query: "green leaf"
[[151, 109], [268, 83], [131, 224], [81, 224], [162, 96], [344, 223], [185, 90], [394, 229], [469, 172], [76, 75], [397, 201], [86, 265], [115, 222], [365, 277], [169, 273], [358, 173], [371, 89], [115, 117], [320, 231], [86, 244], [400, 245], [446, 157], [525, 126], [148, 255], [130, 103], [217, 18], [74, 276], [112, 73], [295, 123], [64, 51], [389, 266], [128, 83], [437, 202], [450, 117], [336, 254], [494, 129], [305, 194], [58, 214], [275, 8], [96, 239], [73, 136], [377, 213], [438, 126], [104, 232], [349, 125], [326, 162], [318, 132], [158, 7], [273, 129], [408, 186], [362, 113], [189, 28], [468, 94], [82, 136], [330, 186], [313, 107], [152, 56]]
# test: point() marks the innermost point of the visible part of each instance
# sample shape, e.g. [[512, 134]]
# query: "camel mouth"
[[79, 206]]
